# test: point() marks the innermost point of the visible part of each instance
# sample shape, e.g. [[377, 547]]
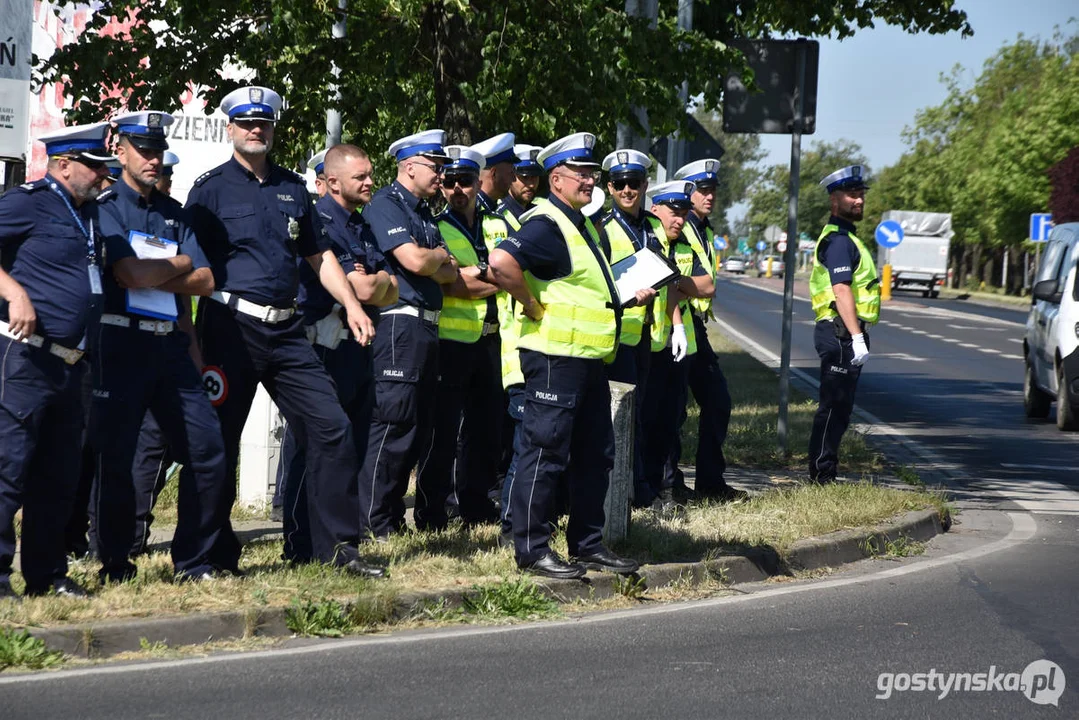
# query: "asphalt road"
[[993, 596]]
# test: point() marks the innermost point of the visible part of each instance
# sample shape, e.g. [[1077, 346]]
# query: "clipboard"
[[152, 302], [643, 269]]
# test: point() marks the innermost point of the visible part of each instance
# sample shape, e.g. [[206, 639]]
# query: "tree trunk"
[[961, 276], [453, 66]]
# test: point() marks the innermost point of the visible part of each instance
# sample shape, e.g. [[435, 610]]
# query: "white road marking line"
[[951, 340], [935, 336], [989, 351], [900, 356], [1016, 340], [967, 345], [919, 332], [1043, 497], [968, 327], [1012, 357]]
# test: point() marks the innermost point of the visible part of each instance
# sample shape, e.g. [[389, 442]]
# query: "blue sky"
[[871, 85]]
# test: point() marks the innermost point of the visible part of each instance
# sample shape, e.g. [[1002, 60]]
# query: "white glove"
[[679, 344], [861, 352]]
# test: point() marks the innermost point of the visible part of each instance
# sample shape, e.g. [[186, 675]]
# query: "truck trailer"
[[920, 261]]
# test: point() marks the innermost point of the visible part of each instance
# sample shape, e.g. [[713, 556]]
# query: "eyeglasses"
[[581, 175], [465, 181], [620, 184], [92, 164], [436, 169]]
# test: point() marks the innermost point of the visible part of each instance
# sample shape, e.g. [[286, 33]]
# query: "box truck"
[[920, 261]]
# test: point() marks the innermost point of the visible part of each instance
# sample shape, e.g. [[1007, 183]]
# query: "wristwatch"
[[482, 267]]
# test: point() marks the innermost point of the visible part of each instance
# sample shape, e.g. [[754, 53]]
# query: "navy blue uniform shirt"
[[539, 247], [352, 243], [396, 217], [485, 202], [474, 234], [122, 210], [44, 249], [636, 227], [838, 253], [252, 232], [516, 209]]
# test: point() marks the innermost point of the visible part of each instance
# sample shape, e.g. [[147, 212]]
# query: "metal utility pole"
[[625, 136], [792, 240], [333, 115], [676, 147]]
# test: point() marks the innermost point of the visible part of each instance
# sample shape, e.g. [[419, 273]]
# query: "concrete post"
[[619, 502], [260, 451]]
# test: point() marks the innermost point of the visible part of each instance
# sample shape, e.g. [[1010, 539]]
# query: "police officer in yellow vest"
[[704, 376], [556, 270], [469, 396], [526, 180], [845, 293], [624, 230]]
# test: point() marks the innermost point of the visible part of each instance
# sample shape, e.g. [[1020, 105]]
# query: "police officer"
[[623, 231], [318, 164], [672, 342], [526, 180], [705, 378], [497, 173], [405, 351], [556, 270], [464, 453], [845, 293], [164, 178], [349, 184], [50, 281], [253, 219], [141, 361]]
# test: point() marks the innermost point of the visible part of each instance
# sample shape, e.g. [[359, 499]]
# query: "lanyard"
[[474, 237], [91, 251], [639, 241]]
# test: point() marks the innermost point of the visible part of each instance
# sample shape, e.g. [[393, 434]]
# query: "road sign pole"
[[792, 232]]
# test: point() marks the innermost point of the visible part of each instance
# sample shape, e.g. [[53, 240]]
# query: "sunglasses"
[[465, 181], [92, 164], [526, 174], [620, 184]]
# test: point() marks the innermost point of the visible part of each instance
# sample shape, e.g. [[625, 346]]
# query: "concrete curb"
[[108, 638]]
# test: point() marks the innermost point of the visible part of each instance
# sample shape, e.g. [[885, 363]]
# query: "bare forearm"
[[470, 286], [844, 305], [196, 282], [133, 272]]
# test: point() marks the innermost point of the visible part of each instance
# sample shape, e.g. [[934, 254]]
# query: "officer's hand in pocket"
[[861, 352], [679, 343]]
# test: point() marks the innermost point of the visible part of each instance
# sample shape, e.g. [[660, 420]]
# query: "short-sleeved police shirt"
[[539, 248], [45, 250], [352, 243], [252, 231], [396, 217], [838, 253], [121, 211], [515, 208], [474, 233], [637, 228]]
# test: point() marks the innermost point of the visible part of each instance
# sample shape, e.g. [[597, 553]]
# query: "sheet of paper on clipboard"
[[643, 269], [152, 302]]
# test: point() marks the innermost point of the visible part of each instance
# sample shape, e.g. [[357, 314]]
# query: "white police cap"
[[463, 159], [144, 129], [167, 161], [627, 162], [497, 149], [848, 178], [252, 102], [575, 149], [674, 192], [427, 143], [526, 157], [86, 141], [702, 172], [318, 162]]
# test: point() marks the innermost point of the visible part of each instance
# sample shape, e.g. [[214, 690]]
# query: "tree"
[[1064, 179], [539, 69], [738, 168]]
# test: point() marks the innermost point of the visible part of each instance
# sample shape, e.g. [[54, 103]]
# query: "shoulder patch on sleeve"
[[325, 216], [106, 195]]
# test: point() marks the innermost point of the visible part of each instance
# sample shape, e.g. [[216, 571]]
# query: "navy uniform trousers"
[[80, 532], [664, 399], [467, 441], [150, 471], [632, 365], [709, 386], [349, 366], [135, 371], [41, 421], [278, 355], [838, 382], [567, 415], [405, 355]]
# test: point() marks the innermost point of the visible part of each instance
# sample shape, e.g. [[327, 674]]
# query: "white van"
[[1051, 345]]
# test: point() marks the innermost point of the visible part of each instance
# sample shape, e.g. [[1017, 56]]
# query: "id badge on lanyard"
[[92, 269]]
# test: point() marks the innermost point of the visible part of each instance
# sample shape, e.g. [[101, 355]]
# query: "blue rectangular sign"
[[1040, 225]]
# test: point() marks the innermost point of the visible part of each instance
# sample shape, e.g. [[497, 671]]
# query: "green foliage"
[[738, 170], [19, 649], [519, 598], [538, 69], [631, 587]]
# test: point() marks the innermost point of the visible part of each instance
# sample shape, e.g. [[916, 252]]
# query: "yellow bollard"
[[769, 271], [886, 282]]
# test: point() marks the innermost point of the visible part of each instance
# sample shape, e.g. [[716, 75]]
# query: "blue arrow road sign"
[[1040, 225], [721, 242], [889, 234], [761, 245]]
